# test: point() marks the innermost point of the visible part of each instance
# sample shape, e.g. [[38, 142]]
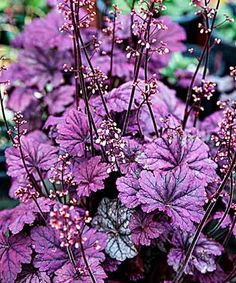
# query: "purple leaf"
[[37, 156], [14, 251], [26, 213], [94, 244], [177, 193], [144, 228], [113, 218], [74, 133], [50, 255], [128, 187], [20, 99], [67, 273], [31, 275], [90, 176], [203, 258], [118, 98], [45, 32], [168, 154], [59, 99]]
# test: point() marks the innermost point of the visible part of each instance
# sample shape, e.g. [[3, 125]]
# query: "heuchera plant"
[[118, 179]]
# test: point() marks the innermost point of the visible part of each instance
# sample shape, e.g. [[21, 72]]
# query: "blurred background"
[[16, 14]]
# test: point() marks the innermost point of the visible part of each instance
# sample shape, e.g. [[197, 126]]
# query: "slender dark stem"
[[77, 88], [212, 232], [42, 180], [146, 80], [86, 262], [112, 48], [80, 71], [96, 81], [231, 275], [137, 69], [227, 238], [4, 117], [203, 221], [71, 257], [205, 48]]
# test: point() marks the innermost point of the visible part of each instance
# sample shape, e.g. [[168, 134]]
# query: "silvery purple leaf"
[[38, 156], [50, 255], [113, 219], [27, 213], [128, 186]]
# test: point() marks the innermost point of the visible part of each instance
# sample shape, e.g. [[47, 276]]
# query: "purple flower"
[[58, 99], [177, 193], [90, 176], [113, 218], [73, 133], [181, 150], [15, 250], [144, 228], [38, 156], [204, 255]]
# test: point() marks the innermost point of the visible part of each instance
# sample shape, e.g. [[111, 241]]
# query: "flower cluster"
[[109, 136]]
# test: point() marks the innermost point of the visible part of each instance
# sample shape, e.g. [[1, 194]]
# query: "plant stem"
[[76, 33], [205, 48], [226, 240], [112, 48], [86, 262], [137, 69], [227, 208], [203, 221]]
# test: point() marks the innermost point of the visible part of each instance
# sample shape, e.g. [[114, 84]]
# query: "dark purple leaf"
[[90, 175], [144, 228], [178, 194], [50, 255], [58, 99], [74, 133], [31, 275], [169, 153], [14, 251], [204, 254], [37, 156]]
